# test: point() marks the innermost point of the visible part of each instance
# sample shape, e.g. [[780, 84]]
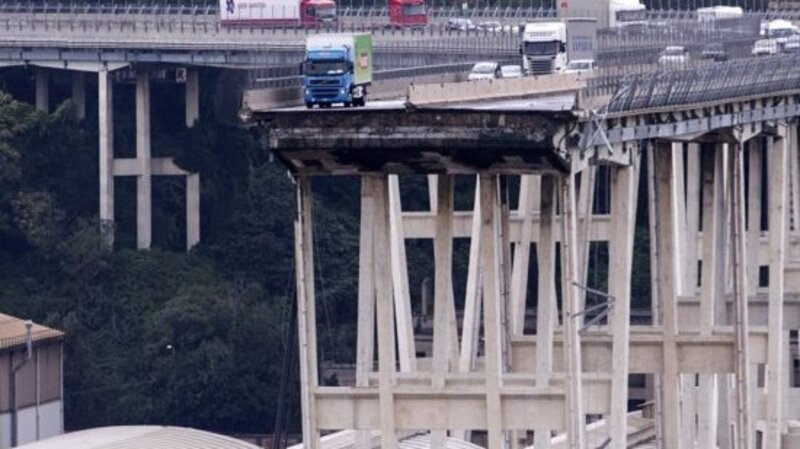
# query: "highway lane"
[[546, 104]]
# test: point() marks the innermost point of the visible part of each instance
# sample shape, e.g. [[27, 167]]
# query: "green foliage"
[[152, 337]]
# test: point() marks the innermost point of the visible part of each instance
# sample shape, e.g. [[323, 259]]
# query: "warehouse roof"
[[14, 333], [140, 437]]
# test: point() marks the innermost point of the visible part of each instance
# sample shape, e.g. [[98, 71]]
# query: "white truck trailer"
[[616, 14]]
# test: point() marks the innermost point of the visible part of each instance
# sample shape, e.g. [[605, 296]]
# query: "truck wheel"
[[309, 105], [347, 104]]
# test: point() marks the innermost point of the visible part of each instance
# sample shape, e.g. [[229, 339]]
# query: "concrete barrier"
[[265, 99], [261, 99], [486, 90]]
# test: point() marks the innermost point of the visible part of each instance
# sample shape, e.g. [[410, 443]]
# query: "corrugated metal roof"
[[13, 332], [140, 437], [345, 439]]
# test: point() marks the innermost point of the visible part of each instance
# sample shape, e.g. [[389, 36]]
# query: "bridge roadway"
[[554, 103]]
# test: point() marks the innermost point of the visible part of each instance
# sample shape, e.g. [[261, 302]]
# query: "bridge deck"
[[457, 140]]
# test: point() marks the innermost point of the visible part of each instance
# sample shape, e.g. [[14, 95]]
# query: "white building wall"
[[5, 430], [26, 425], [51, 423]]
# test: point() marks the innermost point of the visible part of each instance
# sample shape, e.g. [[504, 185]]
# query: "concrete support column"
[[528, 196], [754, 188], [399, 267], [385, 312], [741, 289], [365, 345], [192, 210], [576, 421], [192, 97], [624, 189], [306, 313], [777, 161], [106, 146], [490, 266], [144, 197], [665, 203], [42, 89], [79, 94], [712, 282], [473, 298], [443, 284], [546, 307]]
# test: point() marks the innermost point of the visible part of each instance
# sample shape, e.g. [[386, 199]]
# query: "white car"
[[493, 27], [792, 45], [511, 71], [580, 66], [484, 71], [675, 56], [765, 47]]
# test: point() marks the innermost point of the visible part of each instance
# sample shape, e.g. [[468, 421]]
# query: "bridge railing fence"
[[730, 80], [276, 78]]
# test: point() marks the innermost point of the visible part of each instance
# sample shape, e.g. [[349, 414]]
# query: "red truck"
[[407, 13], [299, 13]]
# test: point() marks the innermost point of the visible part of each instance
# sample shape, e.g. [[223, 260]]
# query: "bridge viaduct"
[[715, 152]]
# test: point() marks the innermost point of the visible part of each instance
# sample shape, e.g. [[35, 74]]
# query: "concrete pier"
[[192, 97], [106, 145], [144, 191], [79, 94], [42, 89]]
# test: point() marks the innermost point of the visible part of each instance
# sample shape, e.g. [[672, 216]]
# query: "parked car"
[[493, 27], [511, 71], [675, 55], [460, 25], [714, 51], [580, 66], [485, 70], [765, 47]]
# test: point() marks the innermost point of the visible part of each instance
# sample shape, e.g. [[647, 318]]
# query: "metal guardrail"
[[735, 79], [287, 81], [211, 9]]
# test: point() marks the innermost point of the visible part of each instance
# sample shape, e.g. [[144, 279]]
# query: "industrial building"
[[31, 382]]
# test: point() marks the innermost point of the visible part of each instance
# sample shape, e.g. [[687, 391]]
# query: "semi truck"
[[407, 13], [548, 47], [615, 14], [544, 47], [278, 13], [337, 68]]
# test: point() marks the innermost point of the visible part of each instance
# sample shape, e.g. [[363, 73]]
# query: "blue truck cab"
[[337, 69]]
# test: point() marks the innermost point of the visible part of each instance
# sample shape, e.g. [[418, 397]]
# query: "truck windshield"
[[414, 10], [321, 68], [780, 32], [632, 16], [542, 48], [326, 11]]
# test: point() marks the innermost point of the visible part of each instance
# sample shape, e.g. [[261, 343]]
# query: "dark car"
[[714, 51]]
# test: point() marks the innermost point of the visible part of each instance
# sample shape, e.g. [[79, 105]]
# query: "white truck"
[[277, 13], [616, 14], [713, 13], [625, 14], [781, 30], [544, 48]]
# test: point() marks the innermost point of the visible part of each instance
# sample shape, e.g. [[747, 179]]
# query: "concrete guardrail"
[[488, 90]]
